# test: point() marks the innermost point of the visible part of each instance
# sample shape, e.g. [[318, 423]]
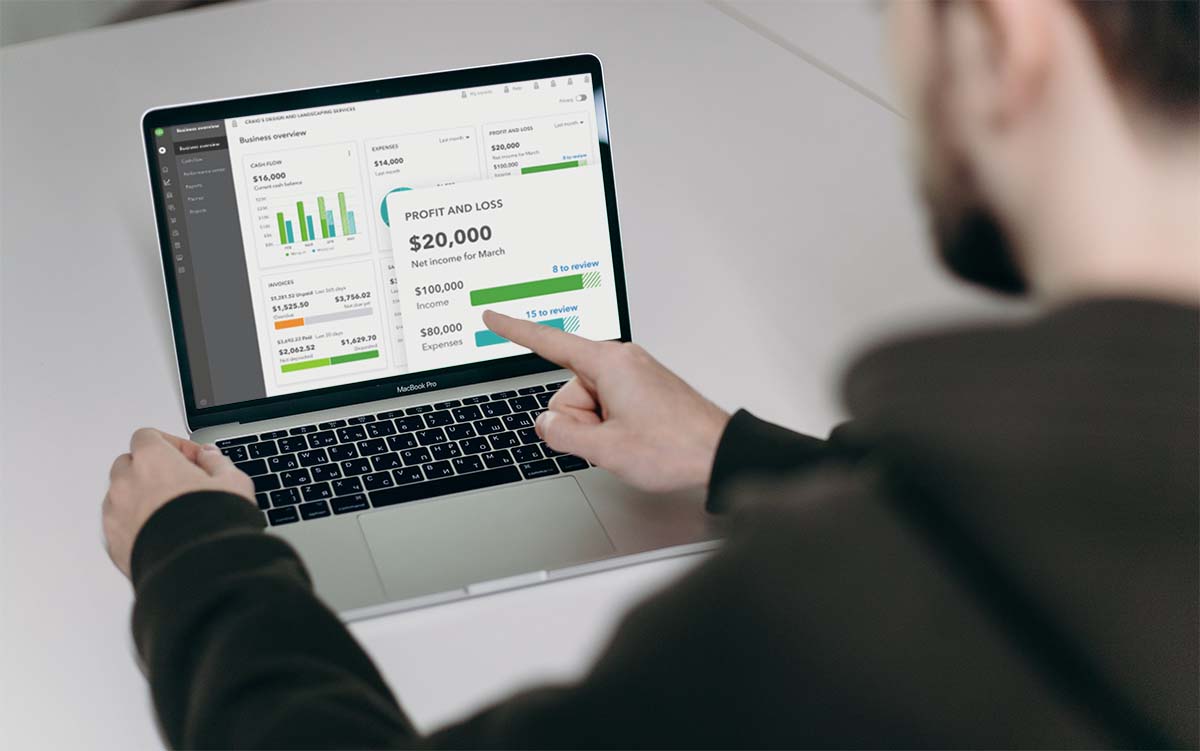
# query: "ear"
[[1000, 50]]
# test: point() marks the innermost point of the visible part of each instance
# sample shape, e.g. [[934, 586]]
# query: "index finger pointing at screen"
[[557, 346]]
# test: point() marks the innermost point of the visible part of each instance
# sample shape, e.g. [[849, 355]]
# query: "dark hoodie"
[[999, 550]]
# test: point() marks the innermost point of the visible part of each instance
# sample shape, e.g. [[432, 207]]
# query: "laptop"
[[328, 254]]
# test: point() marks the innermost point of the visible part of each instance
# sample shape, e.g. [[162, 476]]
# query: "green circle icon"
[[158, 131]]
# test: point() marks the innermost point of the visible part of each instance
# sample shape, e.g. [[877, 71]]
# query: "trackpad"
[[448, 543]]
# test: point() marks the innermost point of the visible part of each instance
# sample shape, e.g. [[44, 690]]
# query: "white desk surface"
[[769, 196]]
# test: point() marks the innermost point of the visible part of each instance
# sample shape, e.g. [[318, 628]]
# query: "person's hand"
[[159, 468], [623, 410]]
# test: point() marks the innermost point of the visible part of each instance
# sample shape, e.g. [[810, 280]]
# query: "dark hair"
[[1151, 50]]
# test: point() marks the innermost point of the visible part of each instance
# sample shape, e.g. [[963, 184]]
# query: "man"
[[1000, 549]]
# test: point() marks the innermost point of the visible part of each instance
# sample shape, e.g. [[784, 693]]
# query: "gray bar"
[[324, 317]]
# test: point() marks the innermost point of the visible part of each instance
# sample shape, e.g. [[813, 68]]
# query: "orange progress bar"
[[290, 323]]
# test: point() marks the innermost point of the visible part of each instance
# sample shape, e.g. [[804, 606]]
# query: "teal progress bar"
[[487, 338]]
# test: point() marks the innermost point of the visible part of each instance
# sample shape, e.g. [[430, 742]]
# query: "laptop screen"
[[335, 244]]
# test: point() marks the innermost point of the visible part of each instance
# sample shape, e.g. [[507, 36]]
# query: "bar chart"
[[325, 227]]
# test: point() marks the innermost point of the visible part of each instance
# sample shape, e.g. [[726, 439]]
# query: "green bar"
[[282, 229], [321, 211], [342, 210], [549, 167], [522, 290], [368, 355], [303, 224], [320, 362]]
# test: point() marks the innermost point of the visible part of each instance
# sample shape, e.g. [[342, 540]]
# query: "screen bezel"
[[423, 83]]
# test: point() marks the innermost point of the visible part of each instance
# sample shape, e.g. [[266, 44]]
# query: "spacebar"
[[445, 486]]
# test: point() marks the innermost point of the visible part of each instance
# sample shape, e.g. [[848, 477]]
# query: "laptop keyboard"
[[372, 461]]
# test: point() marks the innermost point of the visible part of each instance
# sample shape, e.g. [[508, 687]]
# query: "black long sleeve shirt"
[[999, 550]]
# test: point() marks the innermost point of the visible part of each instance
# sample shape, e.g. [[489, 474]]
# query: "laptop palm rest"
[[449, 543]]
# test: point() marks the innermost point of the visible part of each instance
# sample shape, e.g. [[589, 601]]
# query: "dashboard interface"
[[327, 246]]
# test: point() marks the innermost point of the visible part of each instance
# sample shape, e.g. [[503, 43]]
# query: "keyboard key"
[[402, 441], [283, 463], [361, 419], [253, 467], [263, 450], [380, 429], [547, 451], [236, 441], [295, 477], [285, 497], [464, 464], [459, 432], [322, 439], [272, 434], [235, 453], [345, 451], [355, 467], [390, 414], [431, 436], [571, 463], [523, 403], [474, 445], [283, 515], [262, 500], [409, 424], [496, 459], [503, 395], [351, 434], [313, 457], [555, 386], [530, 390], [517, 421], [542, 468], [317, 492], [447, 405], [440, 451], [347, 504], [347, 486], [504, 440], [373, 446], [314, 510], [323, 472], [303, 429], [474, 399], [405, 475], [378, 480], [385, 461], [438, 419], [495, 409], [528, 435], [527, 453], [263, 483], [437, 470], [544, 399], [290, 445], [415, 456], [445, 486], [467, 414], [487, 427], [422, 409], [331, 424]]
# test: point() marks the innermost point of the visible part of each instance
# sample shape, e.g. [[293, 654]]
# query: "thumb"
[[210, 459], [565, 433]]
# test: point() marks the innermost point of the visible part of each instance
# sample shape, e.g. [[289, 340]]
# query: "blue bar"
[[329, 221], [350, 219], [487, 337], [289, 232], [308, 220]]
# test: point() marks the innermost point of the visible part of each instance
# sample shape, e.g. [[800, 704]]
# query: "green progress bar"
[[553, 166], [536, 288], [321, 362]]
